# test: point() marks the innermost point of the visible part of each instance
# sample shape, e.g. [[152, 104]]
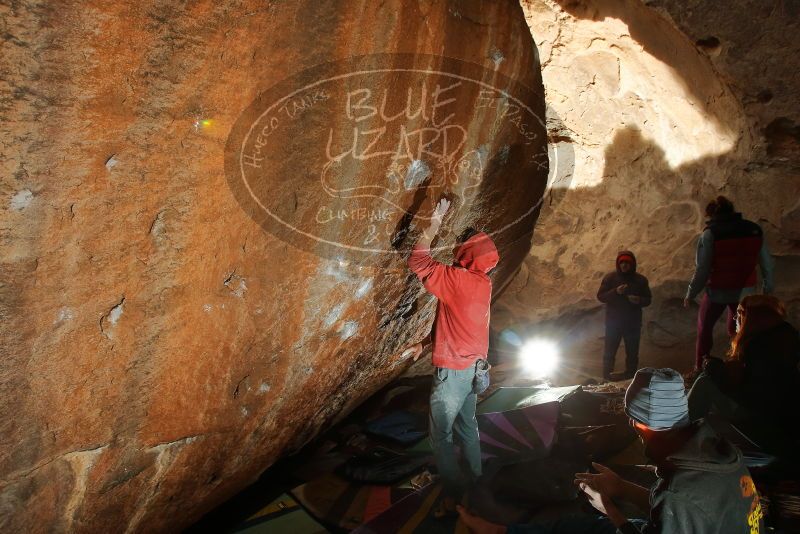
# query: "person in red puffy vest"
[[728, 251], [460, 340]]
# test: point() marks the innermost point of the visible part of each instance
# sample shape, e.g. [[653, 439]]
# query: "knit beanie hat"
[[656, 398]]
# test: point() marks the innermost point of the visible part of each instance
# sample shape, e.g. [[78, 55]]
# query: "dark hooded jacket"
[[464, 290], [620, 311], [703, 487], [766, 382]]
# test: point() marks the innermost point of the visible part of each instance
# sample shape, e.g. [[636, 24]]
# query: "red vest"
[[737, 243]]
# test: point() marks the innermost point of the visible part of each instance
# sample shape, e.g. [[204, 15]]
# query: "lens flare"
[[539, 357], [203, 123]]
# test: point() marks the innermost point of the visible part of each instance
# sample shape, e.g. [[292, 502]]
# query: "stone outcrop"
[[172, 325], [654, 108]]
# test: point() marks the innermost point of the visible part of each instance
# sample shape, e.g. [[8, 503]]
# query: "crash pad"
[[382, 466], [400, 426], [513, 432], [513, 398], [282, 515], [338, 501]]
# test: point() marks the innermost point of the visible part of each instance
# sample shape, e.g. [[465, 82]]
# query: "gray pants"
[[453, 411]]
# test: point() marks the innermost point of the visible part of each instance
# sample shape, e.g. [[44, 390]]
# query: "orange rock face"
[[207, 210]]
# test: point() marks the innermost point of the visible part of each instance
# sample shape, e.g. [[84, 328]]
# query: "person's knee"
[[468, 434]]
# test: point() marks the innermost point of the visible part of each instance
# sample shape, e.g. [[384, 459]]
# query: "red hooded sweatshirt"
[[464, 290]]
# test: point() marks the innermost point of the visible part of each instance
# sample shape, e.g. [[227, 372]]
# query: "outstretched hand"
[[599, 500], [440, 211], [436, 221], [601, 489], [605, 480]]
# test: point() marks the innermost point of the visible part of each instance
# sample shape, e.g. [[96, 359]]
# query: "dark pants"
[[614, 334], [707, 317]]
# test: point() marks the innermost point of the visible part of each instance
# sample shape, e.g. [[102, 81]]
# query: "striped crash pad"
[[513, 433], [282, 515], [505, 436], [512, 398], [338, 501]]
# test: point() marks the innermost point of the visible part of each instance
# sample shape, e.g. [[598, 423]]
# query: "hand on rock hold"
[[441, 210], [436, 221]]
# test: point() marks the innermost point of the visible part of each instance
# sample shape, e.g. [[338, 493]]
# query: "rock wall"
[[654, 108], [181, 306]]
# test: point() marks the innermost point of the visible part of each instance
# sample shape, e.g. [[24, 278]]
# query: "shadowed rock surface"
[[654, 108]]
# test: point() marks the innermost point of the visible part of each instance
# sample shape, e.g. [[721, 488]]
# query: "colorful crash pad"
[[337, 501], [512, 433], [413, 514], [400, 426], [282, 515], [513, 398], [519, 433], [382, 466]]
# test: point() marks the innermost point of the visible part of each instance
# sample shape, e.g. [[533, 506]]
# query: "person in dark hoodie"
[[756, 387], [460, 346], [624, 292], [728, 251], [703, 485]]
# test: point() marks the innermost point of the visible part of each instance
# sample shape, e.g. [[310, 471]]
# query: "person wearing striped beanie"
[[703, 484], [703, 487]]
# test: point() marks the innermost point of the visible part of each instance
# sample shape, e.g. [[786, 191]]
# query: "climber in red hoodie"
[[460, 345]]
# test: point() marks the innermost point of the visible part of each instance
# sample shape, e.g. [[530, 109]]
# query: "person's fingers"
[[600, 467], [465, 515]]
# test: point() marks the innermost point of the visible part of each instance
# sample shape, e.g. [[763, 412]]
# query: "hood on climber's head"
[[477, 253], [626, 255]]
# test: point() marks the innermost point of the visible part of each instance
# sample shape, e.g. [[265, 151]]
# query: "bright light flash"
[[539, 357]]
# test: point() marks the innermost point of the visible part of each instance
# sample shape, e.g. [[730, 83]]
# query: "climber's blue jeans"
[[453, 412]]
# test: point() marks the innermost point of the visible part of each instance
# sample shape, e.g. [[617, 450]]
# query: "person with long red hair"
[[756, 386]]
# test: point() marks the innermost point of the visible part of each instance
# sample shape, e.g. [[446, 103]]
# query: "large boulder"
[[207, 210]]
